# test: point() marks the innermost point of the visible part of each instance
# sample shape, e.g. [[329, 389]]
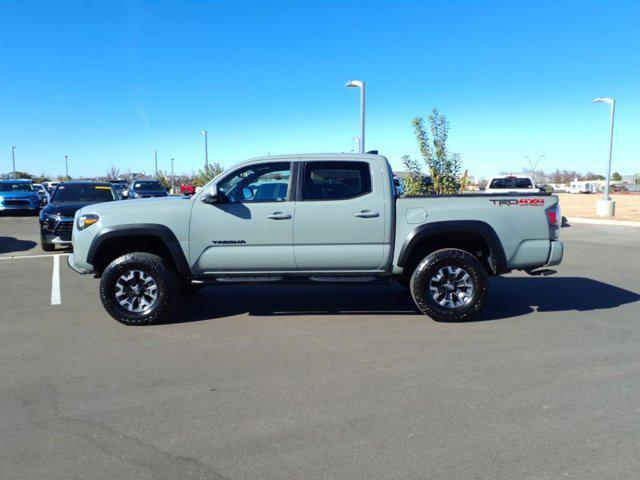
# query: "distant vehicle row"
[[56, 219]]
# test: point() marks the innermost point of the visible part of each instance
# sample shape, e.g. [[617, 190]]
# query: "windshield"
[[148, 186], [511, 183], [82, 193], [16, 187]]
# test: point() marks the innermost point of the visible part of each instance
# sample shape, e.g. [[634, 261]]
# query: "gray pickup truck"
[[312, 218]]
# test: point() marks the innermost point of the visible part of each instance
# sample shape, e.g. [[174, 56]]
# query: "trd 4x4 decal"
[[523, 202]]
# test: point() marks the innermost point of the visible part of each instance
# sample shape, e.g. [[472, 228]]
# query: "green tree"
[[415, 183], [23, 175], [616, 177], [593, 176], [164, 179], [444, 167], [43, 177], [203, 176]]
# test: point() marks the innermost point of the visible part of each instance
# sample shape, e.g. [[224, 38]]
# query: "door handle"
[[279, 216], [366, 214]]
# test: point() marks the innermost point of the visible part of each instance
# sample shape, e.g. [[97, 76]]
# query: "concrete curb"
[[597, 221]]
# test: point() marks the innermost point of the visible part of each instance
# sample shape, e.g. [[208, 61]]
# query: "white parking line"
[[56, 298], [16, 257]]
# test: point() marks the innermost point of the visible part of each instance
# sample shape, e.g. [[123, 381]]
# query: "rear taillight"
[[554, 219]]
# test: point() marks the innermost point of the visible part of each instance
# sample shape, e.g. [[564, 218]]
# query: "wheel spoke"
[[136, 291], [451, 287]]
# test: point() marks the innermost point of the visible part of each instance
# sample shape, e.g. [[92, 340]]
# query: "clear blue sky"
[[107, 82]]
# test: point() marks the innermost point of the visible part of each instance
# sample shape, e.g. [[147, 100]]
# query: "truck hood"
[[139, 209], [65, 209]]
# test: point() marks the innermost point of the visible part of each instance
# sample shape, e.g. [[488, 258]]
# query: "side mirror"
[[210, 196]]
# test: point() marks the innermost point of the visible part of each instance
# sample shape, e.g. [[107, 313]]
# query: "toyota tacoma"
[[312, 218]]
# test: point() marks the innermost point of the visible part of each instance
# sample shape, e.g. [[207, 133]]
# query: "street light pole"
[[13, 158], [172, 175], [66, 165], [360, 84], [155, 158], [606, 206], [206, 151]]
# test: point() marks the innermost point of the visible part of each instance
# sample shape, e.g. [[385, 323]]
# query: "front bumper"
[[57, 230], [555, 253], [48, 238], [77, 267], [29, 207]]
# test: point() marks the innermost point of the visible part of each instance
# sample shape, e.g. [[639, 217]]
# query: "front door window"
[[268, 182]]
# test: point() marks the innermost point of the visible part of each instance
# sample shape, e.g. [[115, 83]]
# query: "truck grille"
[[63, 230]]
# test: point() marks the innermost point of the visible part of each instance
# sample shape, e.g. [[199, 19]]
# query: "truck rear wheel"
[[450, 285], [138, 289]]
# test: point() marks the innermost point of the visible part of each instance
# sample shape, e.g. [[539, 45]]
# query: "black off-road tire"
[[153, 265], [429, 267]]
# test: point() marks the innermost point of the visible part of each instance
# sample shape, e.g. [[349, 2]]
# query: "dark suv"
[[56, 219], [145, 189]]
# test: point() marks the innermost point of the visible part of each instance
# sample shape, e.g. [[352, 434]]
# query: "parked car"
[[18, 195], [145, 189], [42, 193], [583, 187], [510, 184], [319, 218], [187, 190], [56, 219], [50, 186], [119, 186]]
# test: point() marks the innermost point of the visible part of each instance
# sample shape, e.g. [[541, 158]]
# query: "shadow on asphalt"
[[514, 296], [509, 297], [13, 245]]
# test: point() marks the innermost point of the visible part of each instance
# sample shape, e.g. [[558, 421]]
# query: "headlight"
[[85, 221]]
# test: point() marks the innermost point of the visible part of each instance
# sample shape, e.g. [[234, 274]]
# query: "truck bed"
[[513, 217]]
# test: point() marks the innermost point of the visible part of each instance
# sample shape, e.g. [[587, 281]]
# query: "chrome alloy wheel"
[[451, 287], [136, 291]]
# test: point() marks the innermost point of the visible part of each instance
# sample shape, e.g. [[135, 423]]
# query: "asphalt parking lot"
[[271, 382]]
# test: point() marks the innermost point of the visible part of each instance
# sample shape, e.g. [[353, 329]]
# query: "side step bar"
[[293, 279]]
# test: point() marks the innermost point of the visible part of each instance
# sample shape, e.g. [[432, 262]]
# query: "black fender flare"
[[164, 233], [483, 229]]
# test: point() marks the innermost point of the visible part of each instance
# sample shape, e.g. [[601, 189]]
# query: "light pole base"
[[605, 208]]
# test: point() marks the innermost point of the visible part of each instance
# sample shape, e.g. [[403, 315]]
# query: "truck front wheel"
[[138, 289], [450, 285]]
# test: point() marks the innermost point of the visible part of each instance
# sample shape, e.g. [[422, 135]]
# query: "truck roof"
[[314, 156]]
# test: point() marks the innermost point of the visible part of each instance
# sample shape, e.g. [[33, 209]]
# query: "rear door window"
[[335, 180]]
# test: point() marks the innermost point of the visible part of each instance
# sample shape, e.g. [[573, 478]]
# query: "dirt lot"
[[627, 205]]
